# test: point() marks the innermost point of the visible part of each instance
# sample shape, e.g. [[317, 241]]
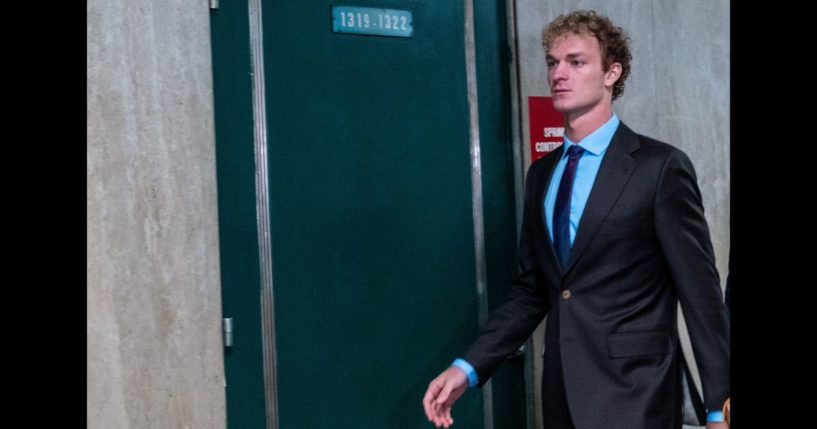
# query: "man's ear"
[[612, 74]]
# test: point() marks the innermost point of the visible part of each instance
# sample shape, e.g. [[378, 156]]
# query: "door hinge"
[[213, 4], [227, 326]]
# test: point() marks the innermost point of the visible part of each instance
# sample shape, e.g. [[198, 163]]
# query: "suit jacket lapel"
[[616, 168]]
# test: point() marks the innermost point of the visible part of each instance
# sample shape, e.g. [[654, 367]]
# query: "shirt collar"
[[597, 141]]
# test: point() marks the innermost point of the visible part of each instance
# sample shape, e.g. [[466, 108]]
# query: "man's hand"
[[442, 392], [718, 425]]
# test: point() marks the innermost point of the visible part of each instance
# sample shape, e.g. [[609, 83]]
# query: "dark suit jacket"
[[642, 245]]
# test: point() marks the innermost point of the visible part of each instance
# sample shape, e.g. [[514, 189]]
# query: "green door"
[[363, 285]]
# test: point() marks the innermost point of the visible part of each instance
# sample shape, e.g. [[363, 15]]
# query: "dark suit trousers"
[[555, 410]]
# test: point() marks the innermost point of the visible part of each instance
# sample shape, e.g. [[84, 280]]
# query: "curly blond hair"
[[613, 41]]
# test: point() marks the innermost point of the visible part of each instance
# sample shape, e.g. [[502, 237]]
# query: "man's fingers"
[[442, 410], [443, 396], [444, 418], [429, 400], [442, 421]]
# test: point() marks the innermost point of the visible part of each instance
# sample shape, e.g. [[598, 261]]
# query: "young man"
[[613, 237]]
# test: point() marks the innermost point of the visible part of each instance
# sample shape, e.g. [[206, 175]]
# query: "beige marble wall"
[[154, 353]]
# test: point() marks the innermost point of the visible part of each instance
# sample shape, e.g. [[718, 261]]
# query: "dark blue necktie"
[[561, 212]]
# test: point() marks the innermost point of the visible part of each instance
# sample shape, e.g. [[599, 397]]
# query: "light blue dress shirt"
[[595, 145]]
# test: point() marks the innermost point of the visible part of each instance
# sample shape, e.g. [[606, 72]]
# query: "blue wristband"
[[714, 417], [462, 364]]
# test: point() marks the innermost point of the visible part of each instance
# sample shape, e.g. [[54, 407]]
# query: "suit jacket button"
[[565, 294]]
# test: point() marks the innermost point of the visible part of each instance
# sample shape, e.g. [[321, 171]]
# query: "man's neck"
[[580, 125]]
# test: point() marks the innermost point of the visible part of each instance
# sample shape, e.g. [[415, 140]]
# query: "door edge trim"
[[517, 146], [263, 213], [476, 193]]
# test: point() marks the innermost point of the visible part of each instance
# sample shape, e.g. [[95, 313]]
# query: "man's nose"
[[557, 72]]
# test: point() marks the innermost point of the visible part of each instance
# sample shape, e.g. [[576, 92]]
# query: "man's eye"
[[578, 63]]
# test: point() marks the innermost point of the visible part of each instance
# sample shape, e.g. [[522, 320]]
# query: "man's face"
[[577, 80]]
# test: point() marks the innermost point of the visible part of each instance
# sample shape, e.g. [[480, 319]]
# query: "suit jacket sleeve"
[[525, 305], [684, 237]]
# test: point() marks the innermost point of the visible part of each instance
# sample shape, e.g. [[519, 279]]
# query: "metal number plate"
[[371, 21]]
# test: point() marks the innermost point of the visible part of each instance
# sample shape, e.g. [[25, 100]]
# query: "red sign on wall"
[[546, 127]]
